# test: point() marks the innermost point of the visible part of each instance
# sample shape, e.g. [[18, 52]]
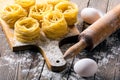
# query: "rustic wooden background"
[[30, 65]]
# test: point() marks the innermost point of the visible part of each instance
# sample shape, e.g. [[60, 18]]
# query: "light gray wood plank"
[[7, 70], [29, 69], [102, 6], [99, 4], [1, 32], [3, 45], [117, 72], [36, 67], [106, 58], [25, 57], [112, 3], [109, 59], [81, 5]]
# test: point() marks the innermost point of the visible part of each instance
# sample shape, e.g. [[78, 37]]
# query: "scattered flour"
[[103, 62]]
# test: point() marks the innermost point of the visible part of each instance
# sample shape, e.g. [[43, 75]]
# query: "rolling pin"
[[96, 33]]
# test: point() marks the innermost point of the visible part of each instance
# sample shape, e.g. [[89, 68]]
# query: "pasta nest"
[[25, 3], [12, 13], [70, 11], [27, 29], [54, 2], [54, 25], [39, 10]]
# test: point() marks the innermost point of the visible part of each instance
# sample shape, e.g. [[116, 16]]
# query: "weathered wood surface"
[[54, 61], [30, 65]]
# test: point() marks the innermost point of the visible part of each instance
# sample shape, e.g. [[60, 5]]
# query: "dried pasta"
[[26, 3], [54, 2], [29, 19], [12, 13], [54, 25], [27, 29], [39, 10], [70, 11]]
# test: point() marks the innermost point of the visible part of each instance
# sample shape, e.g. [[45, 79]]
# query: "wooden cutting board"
[[48, 48]]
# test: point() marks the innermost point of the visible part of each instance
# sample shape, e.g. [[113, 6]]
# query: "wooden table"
[[30, 65]]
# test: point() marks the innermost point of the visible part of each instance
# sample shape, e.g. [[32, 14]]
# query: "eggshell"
[[90, 15], [85, 67]]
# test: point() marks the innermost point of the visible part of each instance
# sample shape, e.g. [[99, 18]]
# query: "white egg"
[[90, 15], [85, 67]]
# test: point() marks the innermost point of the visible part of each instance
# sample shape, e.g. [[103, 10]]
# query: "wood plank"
[[46, 74], [90, 54], [108, 60], [1, 32], [66, 74], [36, 67], [112, 3], [7, 70], [3, 45], [81, 5], [27, 65], [107, 56], [30, 66], [26, 59], [117, 72], [111, 71], [55, 61], [99, 4]]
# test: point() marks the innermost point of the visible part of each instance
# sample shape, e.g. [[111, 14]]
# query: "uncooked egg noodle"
[[30, 30], [39, 10], [28, 18], [70, 11], [25, 3], [54, 2], [12, 13], [54, 25]]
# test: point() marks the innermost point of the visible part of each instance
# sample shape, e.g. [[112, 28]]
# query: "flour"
[[104, 62], [115, 50], [26, 59]]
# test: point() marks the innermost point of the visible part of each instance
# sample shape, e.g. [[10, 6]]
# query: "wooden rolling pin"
[[96, 33]]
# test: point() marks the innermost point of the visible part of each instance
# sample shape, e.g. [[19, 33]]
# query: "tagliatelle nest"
[[39, 10], [12, 13], [54, 25], [25, 3], [70, 11], [27, 29], [51, 17], [54, 2]]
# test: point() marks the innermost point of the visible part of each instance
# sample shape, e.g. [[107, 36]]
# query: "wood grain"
[[55, 61], [28, 60], [110, 70], [34, 66], [107, 70], [112, 3], [7, 71], [66, 74], [99, 4], [1, 31]]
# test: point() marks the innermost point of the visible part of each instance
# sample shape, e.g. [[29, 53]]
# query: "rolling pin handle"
[[75, 49]]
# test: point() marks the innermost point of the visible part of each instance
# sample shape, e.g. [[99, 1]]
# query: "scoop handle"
[[53, 56]]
